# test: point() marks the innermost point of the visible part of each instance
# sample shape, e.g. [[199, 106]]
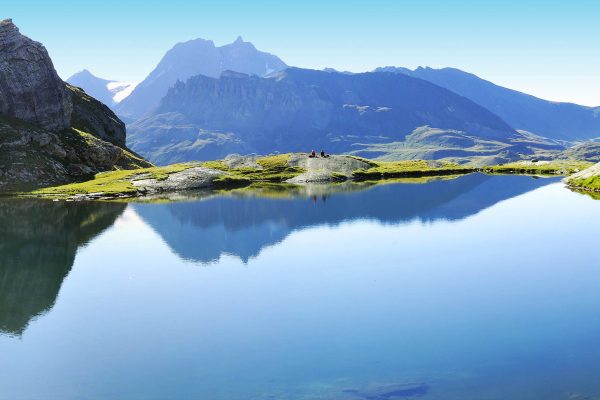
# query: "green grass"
[[551, 168], [273, 169], [113, 182], [220, 165], [591, 183], [409, 168], [274, 162]]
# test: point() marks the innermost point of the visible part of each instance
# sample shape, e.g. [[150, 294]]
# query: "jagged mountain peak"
[[197, 43], [196, 57], [8, 24]]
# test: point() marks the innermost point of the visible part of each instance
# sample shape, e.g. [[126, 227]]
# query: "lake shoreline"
[[283, 170]]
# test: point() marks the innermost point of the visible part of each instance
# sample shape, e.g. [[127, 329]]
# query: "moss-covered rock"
[[587, 180]]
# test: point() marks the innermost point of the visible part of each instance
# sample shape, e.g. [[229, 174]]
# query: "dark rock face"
[[90, 115], [30, 88], [196, 57], [299, 109]]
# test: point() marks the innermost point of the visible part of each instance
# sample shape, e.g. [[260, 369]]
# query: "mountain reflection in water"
[[38, 243], [243, 224], [39, 239]]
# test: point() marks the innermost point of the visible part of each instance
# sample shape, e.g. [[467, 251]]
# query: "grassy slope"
[[410, 168], [548, 168], [274, 169], [15, 150], [114, 182]]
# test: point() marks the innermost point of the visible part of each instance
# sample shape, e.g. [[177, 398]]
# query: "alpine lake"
[[476, 287]]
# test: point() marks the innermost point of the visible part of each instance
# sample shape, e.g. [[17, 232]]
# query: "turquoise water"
[[474, 288]]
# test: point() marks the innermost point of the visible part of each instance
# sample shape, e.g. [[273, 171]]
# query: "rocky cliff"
[[30, 88], [51, 132]]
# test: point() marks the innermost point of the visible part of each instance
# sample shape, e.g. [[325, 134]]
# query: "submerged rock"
[[391, 392]]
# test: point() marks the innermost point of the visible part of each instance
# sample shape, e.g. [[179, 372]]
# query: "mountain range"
[[204, 101], [374, 114], [564, 121]]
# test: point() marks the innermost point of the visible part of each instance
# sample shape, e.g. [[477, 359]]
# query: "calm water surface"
[[474, 288]]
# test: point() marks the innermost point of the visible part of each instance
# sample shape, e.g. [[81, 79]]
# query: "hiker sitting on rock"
[[313, 154], [323, 154]]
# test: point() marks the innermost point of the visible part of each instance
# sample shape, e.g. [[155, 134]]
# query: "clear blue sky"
[[546, 48]]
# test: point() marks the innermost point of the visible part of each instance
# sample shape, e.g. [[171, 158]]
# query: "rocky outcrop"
[[34, 157], [30, 88], [590, 172], [189, 179], [587, 180], [50, 132], [328, 169]]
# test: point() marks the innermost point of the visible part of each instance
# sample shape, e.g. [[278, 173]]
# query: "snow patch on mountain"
[[120, 90]]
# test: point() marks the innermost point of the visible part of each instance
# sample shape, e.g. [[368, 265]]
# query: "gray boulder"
[[332, 168]]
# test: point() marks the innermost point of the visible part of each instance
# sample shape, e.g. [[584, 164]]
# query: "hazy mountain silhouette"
[[38, 243], [555, 120], [204, 230], [195, 57], [299, 109], [107, 91]]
